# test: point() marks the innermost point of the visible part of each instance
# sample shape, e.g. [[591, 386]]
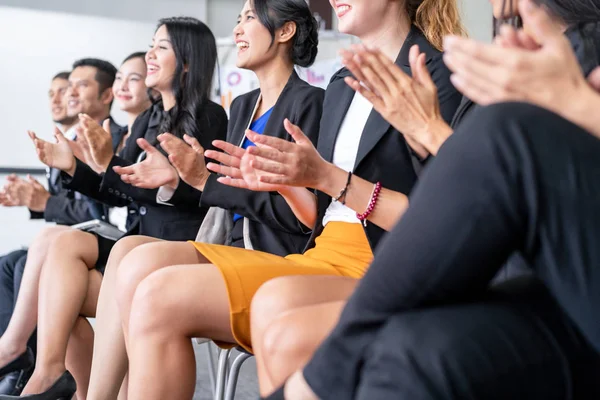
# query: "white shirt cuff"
[[164, 195]]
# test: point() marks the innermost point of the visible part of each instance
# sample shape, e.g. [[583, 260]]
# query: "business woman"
[[182, 74], [229, 277], [291, 337], [531, 174], [270, 224]]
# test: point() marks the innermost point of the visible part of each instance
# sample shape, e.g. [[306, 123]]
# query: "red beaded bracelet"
[[374, 196]]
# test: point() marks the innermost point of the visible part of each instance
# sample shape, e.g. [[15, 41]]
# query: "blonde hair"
[[436, 18]]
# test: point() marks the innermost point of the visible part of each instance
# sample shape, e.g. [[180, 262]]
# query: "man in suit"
[[87, 89]]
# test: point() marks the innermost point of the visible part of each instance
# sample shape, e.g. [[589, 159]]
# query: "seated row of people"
[[307, 187]]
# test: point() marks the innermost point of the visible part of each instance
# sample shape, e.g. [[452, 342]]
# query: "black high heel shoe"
[[63, 389], [24, 362]]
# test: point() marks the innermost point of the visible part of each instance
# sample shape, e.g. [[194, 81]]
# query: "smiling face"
[[253, 40], [161, 61], [57, 95], [84, 95], [129, 87], [359, 17]]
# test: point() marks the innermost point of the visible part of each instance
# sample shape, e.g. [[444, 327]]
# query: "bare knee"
[[270, 301], [47, 235], [284, 347], [129, 269], [70, 244], [123, 247], [150, 308]]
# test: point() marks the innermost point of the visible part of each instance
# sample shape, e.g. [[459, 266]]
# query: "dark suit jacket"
[[68, 207], [383, 154], [273, 226], [146, 216]]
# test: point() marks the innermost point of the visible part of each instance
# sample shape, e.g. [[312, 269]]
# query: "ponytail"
[[436, 19]]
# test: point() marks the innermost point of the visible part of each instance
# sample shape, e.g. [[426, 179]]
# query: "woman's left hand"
[[409, 104], [153, 172]]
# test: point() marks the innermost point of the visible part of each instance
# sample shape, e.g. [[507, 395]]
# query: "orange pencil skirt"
[[342, 249]]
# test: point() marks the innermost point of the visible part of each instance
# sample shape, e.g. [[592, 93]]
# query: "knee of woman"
[[49, 234], [130, 270], [150, 309], [125, 245], [270, 299], [282, 343], [63, 242]]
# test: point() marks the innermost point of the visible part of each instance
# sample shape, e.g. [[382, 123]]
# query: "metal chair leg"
[[221, 374], [212, 368], [234, 373]]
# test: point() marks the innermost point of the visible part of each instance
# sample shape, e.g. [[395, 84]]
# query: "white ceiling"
[[139, 10]]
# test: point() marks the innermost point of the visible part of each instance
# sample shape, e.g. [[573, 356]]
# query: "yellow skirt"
[[342, 249]]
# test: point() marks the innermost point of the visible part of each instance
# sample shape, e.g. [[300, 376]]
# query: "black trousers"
[[12, 266], [423, 322]]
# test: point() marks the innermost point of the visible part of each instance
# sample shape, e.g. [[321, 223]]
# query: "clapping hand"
[[81, 150], [29, 193], [536, 66], [234, 163], [286, 163], [99, 141], [55, 155], [409, 104], [187, 156], [151, 173], [9, 195]]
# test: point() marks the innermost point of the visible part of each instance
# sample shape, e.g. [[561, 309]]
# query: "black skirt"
[[104, 247]]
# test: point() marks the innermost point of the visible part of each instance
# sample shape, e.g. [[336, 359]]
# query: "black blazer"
[[273, 226], [383, 154], [179, 221], [68, 207]]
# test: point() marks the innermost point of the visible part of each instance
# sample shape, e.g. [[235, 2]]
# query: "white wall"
[[477, 17], [37, 44]]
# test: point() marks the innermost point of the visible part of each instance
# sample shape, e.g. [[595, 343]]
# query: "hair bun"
[[306, 42]]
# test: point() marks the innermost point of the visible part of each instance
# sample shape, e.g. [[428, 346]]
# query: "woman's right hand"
[[187, 158], [409, 104], [55, 155], [280, 162], [99, 140], [234, 163]]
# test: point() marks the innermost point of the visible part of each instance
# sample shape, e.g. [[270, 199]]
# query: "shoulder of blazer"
[[299, 91], [244, 101], [416, 37]]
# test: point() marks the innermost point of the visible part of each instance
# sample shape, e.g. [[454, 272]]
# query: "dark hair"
[[572, 12], [137, 54], [105, 71], [273, 14], [195, 49], [64, 75]]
